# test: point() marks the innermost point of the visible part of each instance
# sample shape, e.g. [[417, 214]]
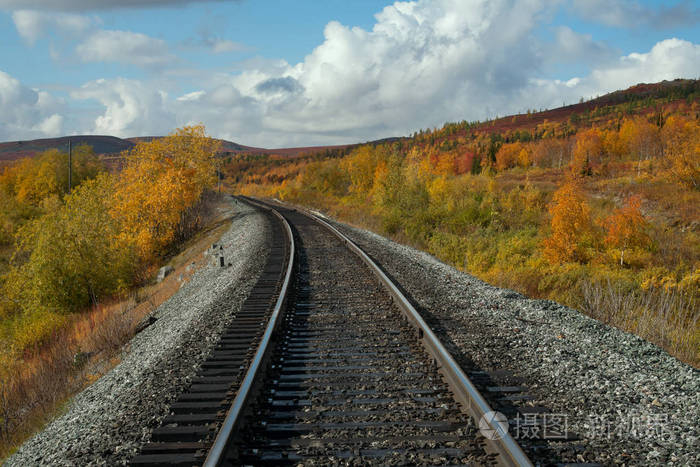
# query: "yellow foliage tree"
[[33, 179], [681, 139], [571, 223], [162, 179], [438, 190], [641, 139], [525, 157], [444, 164], [360, 166], [613, 145]]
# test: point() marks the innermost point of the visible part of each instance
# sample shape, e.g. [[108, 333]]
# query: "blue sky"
[[283, 73]]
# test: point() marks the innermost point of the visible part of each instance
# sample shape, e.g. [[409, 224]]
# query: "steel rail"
[[509, 451], [218, 450]]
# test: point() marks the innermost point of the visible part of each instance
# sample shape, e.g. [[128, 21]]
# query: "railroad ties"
[[186, 434], [349, 380], [347, 373]]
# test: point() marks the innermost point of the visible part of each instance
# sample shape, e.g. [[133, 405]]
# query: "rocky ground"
[[627, 400], [108, 422]]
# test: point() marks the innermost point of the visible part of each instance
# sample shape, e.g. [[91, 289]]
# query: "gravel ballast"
[[627, 400], [107, 423]]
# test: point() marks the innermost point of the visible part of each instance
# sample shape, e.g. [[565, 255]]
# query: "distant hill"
[[227, 146], [668, 91], [111, 146], [101, 144]]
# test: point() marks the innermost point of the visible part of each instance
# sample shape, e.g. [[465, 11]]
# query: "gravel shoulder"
[[107, 423], [627, 400]]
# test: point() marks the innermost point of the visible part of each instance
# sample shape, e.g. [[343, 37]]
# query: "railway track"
[[336, 369]]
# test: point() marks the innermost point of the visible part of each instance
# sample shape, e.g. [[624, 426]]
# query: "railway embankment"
[[109, 421]]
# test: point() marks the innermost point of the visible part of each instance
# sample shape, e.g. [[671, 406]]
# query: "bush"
[[73, 255]]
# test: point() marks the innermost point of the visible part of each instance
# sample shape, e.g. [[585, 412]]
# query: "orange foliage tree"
[[163, 178], [509, 155], [587, 151], [571, 223], [625, 227]]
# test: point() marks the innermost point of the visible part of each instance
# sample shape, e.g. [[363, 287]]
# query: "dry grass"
[[34, 388], [669, 319]]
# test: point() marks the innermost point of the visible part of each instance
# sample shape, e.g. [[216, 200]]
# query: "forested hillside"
[[595, 205]]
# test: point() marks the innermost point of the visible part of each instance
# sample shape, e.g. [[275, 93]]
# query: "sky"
[[282, 73]]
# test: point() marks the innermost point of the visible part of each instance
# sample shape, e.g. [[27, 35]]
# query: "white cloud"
[[131, 108], [25, 112], [32, 25], [423, 63], [633, 14], [51, 125], [124, 47], [192, 96], [667, 60]]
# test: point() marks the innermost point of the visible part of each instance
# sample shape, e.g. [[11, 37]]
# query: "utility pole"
[[70, 166]]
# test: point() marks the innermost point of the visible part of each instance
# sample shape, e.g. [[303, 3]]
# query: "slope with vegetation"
[[594, 205], [65, 256]]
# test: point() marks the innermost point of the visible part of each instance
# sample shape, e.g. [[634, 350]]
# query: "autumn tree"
[[444, 164], [551, 153], [33, 179], [360, 166], [326, 177], [587, 152], [525, 157], [570, 224], [508, 155], [681, 140], [641, 139], [12, 215], [625, 227], [613, 145], [162, 179]]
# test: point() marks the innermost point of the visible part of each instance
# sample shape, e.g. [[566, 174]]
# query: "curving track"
[[347, 373]]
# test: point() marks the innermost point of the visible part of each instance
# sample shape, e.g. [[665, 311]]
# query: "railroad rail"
[[339, 368]]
